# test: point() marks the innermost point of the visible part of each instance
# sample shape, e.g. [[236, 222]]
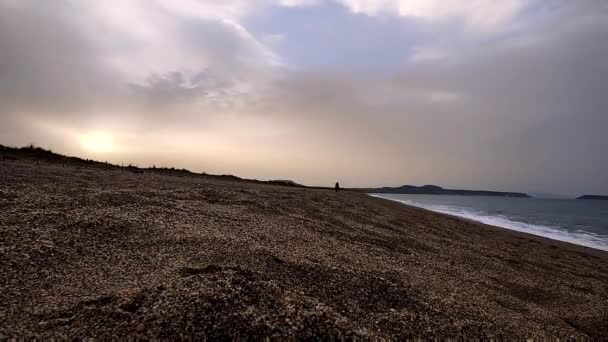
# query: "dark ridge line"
[[39, 154]]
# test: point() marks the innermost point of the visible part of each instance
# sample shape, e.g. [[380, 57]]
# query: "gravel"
[[106, 253]]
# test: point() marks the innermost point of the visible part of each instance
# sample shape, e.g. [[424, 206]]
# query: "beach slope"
[[86, 251]]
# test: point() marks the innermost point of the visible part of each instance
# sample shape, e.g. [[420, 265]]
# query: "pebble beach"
[[89, 252]]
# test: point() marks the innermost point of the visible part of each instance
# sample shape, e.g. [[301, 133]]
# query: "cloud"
[[479, 15], [66, 55], [296, 3], [524, 113], [190, 83]]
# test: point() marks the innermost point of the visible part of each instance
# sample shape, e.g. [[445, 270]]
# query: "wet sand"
[[92, 252]]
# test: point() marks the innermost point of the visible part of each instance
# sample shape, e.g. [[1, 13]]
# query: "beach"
[[570, 220], [87, 251]]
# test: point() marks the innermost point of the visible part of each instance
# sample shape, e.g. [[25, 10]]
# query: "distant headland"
[[593, 197], [437, 190]]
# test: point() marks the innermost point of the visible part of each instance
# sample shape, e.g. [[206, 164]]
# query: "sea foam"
[[577, 237]]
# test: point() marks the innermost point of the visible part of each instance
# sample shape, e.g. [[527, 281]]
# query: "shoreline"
[[553, 234], [91, 252], [562, 243]]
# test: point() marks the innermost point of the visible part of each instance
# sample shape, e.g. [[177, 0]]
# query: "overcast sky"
[[479, 94]]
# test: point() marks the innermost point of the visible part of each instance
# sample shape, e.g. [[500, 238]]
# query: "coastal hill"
[[91, 250], [593, 197], [437, 190]]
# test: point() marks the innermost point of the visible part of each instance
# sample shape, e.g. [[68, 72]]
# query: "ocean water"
[[583, 222]]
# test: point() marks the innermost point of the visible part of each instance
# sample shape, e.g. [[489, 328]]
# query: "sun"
[[98, 142]]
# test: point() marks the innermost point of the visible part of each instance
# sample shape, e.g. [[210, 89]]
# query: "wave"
[[582, 238]]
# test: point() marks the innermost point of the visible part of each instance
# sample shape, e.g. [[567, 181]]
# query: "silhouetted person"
[[337, 186]]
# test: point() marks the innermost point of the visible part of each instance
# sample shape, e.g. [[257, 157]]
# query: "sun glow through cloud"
[[98, 142]]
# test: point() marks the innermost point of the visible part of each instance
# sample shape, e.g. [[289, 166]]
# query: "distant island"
[[593, 197], [437, 190]]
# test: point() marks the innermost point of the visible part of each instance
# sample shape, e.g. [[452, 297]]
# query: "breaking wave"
[[556, 233]]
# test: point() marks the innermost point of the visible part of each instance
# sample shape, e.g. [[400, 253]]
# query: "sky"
[[499, 95]]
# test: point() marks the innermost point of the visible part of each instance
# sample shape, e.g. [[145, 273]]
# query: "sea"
[[582, 222]]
